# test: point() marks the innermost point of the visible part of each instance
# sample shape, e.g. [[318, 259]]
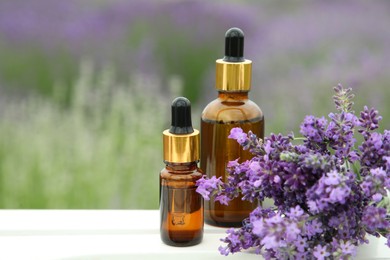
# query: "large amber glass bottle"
[[181, 207], [231, 109]]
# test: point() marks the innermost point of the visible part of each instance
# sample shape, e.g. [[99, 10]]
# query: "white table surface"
[[111, 234]]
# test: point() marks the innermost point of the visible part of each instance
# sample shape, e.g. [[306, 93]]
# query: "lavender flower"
[[347, 248], [223, 199], [343, 98], [313, 228], [206, 187], [239, 135], [300, 244], [320, 252], [338, 134], [374, 219], [331, 189], [374, 151], [369, 120], [375, 184], [323, 205], [342, 249]]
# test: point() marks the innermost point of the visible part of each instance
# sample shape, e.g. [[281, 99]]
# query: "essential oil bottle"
[[181, 207], [232, 108]]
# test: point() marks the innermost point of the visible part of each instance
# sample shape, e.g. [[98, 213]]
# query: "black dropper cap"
[[234, 45], [181, 116]]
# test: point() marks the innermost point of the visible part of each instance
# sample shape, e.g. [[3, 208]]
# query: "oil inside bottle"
[[182, 215], [217, 151]]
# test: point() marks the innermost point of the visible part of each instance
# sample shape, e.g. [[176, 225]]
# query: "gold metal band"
[[181, 148], [233, 76]]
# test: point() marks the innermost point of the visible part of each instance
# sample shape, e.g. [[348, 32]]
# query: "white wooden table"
[[110, 234]]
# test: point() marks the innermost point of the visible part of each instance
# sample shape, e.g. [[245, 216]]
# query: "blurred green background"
[[86, 86]]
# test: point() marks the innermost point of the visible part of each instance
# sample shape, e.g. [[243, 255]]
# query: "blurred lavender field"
[[85, 86]]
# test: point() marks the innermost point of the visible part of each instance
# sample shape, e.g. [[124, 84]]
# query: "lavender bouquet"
[[328, 195]]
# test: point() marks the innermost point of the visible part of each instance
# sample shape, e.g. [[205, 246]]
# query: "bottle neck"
[[233, 96], [181, 167]]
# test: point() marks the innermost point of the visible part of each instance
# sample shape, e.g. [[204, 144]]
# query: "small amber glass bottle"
[[231, 109], [181, 207]]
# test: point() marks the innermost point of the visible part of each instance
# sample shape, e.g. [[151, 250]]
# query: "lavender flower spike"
[[343, 98]]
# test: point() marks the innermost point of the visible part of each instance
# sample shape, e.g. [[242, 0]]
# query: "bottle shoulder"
[[227, 111], [191, 175]]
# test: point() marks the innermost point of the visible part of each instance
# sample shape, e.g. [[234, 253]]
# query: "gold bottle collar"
[[233, 76], [181, 148]]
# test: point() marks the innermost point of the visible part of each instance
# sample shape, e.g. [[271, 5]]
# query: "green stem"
[[359, 177], [347, 164]]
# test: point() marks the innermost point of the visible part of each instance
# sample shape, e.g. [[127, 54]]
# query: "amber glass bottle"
[[231, 109], [181, 207]]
